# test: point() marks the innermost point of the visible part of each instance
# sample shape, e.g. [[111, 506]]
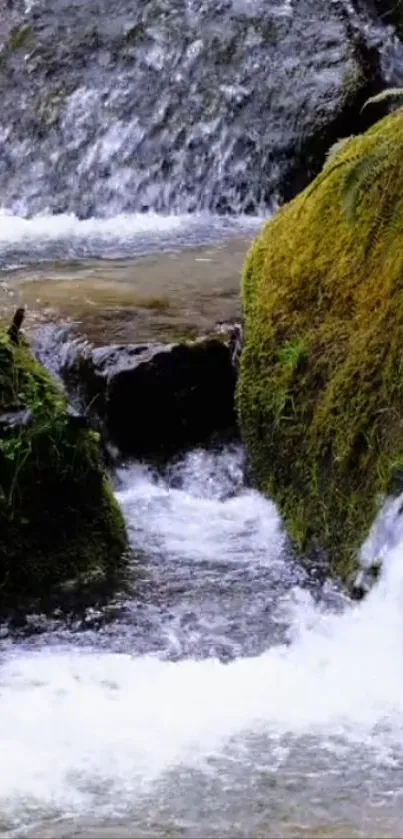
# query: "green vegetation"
[[58, 517], [320, 395], [367, 167]]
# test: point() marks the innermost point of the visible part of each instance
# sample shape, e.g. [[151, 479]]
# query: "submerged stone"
[[320, 393], [59, 520]]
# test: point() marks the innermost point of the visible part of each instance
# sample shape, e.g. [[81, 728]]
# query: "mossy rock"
[[320, 394], [59, 520]]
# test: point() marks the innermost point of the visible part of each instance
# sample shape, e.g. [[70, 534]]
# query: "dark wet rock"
[[365, 580], [76, 418], [390, 12], [220, 105], [155, 400], [14, 331]]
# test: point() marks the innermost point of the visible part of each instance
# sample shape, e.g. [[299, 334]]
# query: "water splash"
[[86, 727], [174, 107], [65, 237]]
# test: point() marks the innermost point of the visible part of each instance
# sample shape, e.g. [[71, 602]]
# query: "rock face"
[[390, 12], [219, 105], [156, 400], [320, 393], [59, 521]]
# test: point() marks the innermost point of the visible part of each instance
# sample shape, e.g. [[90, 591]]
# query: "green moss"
[[21, 37], [58, 516], [320, 395]]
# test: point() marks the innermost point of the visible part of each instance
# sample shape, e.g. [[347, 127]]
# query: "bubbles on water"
[[91, 726], [64, 237], [205, 474], [200, 512]]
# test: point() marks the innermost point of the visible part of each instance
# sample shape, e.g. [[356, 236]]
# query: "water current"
[[226, 692], [229, 695]]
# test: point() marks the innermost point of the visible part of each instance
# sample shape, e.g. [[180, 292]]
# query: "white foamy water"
[[51, 237], [190, 746], [202, 518]]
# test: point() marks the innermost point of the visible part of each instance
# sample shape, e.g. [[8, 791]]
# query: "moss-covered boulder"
[[320, 395], [58, 518]]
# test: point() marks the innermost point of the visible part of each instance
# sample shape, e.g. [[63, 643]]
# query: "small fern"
[[368, 171], [336, 148], [360, 178], [364, 172], [391, 94]]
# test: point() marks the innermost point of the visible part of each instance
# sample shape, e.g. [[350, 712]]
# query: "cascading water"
[[231, 697], [186, 109], [177, 106], [171, 107], [229, 693], [64, 237]]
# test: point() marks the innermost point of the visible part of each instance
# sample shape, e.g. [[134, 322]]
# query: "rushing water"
[[178, 105], [231, 696], [65, 237], [226, 693]]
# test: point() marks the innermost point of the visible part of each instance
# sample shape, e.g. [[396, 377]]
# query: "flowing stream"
[[230, 696], [226, 692]]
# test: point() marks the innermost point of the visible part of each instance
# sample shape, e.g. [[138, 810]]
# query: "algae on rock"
[[320, 395], [59, 520]]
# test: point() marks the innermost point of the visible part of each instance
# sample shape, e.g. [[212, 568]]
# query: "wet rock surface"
[[155, 400], [390, 12], [179, 106]]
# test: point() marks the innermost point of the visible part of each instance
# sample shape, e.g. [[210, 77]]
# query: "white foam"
[[51, 227], [194, 521], [65, 236], [80, 723], [73, 721]]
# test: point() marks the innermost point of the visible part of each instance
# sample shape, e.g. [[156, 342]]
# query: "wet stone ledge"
[[156, 400]]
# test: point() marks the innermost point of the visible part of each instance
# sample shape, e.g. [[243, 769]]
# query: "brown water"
[[161, 296]]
